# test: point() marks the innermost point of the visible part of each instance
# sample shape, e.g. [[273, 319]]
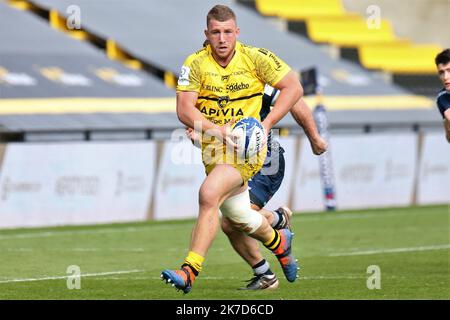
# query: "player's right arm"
[[188, 89], [190, 116]]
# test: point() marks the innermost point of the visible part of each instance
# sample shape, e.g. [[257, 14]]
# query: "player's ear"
[[206, 33], [238, 31]]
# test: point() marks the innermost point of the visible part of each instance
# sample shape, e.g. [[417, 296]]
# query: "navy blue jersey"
[[268, 180], [269, 98], [443, 101]]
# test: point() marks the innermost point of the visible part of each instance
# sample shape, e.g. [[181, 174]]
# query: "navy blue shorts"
[[268, 180]]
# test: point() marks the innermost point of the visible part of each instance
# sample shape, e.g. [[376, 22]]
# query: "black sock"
[[280, 220], [194, 271]]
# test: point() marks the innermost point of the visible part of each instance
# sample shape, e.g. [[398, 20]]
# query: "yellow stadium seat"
[[348, 32], [378, 48], [115, 52], [20, 4], [300, 9], [399, 59]]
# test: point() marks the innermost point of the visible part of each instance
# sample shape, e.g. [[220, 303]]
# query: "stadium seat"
[[399, 58], [115, 52], [348, 32], [20, 4], [375, 48], [300, 9]]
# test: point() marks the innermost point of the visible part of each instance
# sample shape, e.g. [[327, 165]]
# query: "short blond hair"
[[220, 13]]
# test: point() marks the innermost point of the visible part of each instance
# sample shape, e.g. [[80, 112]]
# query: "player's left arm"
[[447, 124], [290, 91], [303, 116]]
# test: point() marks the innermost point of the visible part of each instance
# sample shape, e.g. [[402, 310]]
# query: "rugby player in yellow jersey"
[[263, 186], [219, 83]]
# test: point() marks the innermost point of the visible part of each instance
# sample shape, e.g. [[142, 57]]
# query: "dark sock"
[[280, 220], [194, 271]]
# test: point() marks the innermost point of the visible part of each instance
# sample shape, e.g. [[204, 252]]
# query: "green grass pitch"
[[123, 261]]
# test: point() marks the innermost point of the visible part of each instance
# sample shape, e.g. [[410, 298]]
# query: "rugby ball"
[[250, 137]]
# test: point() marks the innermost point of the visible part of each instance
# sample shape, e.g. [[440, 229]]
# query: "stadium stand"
[[29, 45], [183, 36], [156, 39], [371, 43], [51, 81]]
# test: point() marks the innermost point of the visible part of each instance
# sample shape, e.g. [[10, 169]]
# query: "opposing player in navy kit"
[[264, 185], [443, 98]]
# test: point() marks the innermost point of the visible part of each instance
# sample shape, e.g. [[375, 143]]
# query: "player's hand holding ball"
[[250, 137]]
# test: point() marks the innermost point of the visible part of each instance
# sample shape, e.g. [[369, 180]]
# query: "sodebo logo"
[[237, 86]]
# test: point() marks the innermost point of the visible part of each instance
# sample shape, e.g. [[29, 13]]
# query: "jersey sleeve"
[[269, 67], [189, 79]]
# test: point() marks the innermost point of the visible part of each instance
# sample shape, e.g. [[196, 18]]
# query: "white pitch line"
[[309, 218], [331, 277], [65, 277], [76, 232], [349, 216], [394, 250], [64, 233], [343, 277], [74, 249]]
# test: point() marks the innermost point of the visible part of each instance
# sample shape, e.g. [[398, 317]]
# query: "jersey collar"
[[231, 64]]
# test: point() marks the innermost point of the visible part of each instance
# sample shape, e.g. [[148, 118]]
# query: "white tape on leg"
[[238, 209]]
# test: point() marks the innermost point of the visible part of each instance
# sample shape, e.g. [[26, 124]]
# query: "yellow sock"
[[274, 241], [194, 260]]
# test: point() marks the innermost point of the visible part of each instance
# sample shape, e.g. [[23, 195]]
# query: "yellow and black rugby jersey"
[[234, 91]]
